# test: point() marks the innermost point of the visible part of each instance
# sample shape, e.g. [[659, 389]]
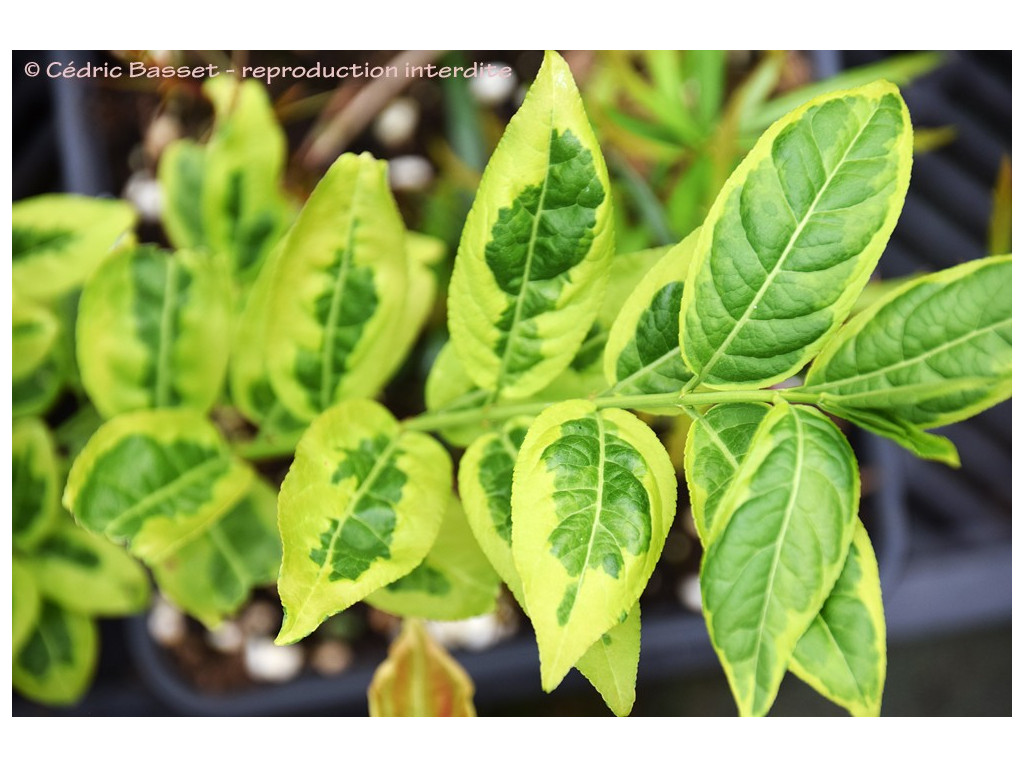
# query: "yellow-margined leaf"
[[593, 496], [533, 260], [360, 508]]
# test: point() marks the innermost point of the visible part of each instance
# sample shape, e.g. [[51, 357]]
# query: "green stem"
[[273, 447], [496, 414]]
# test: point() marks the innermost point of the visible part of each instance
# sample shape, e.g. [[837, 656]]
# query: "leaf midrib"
[[200, 471], [900, 364], [378, 467], [598, 505], [777, 556], [846, 662], [59, 670], [162, 381], [671, 354], [327, 345], [777, 268], [513, 331], [220, 541]]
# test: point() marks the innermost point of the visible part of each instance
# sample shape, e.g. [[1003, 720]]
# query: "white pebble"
[[474, 634], [166, 624], [331, 657], [227, 638], [260, 618], [144, 193], [410, 173], [689, 593], [161, 132], [271, 663], [493, 89], [396, 124]]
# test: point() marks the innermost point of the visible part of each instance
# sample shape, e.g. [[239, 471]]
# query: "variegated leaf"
[[154, 330], [339, 295], [842, 654], [35, 490], [643, 355], [534, 256], [211, 576], [56, 663], [593, 497], [33, 336], [244, 213], [935, 351], [154, 480], [777, 544], [485, 481], [794, 235], [26, 604], [359, 508], [58, 240], [87, 574], [454, 581]]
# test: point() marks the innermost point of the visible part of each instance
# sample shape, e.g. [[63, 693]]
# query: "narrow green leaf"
[[340, 291], [154, 480], [593, 496], [56, 663], [642, 355], [59, 239], [1000, 225], [86, 574], [454, 581], [153, 330], [692, 193], [900, 70], [359, 508], [420, 679], [709, 70], [211, 576], [780, 537], [842, 653], [935, 351], [751, 95], [534, 256], [35, 487], [793, 237], [485, 481], [26, 604]]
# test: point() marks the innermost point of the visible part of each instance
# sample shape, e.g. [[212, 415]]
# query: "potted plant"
[[563, 494]]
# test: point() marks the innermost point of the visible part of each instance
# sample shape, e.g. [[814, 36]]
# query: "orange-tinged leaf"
[[420, 679]]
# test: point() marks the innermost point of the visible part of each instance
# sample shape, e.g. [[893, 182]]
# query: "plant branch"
[[496, 414]]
